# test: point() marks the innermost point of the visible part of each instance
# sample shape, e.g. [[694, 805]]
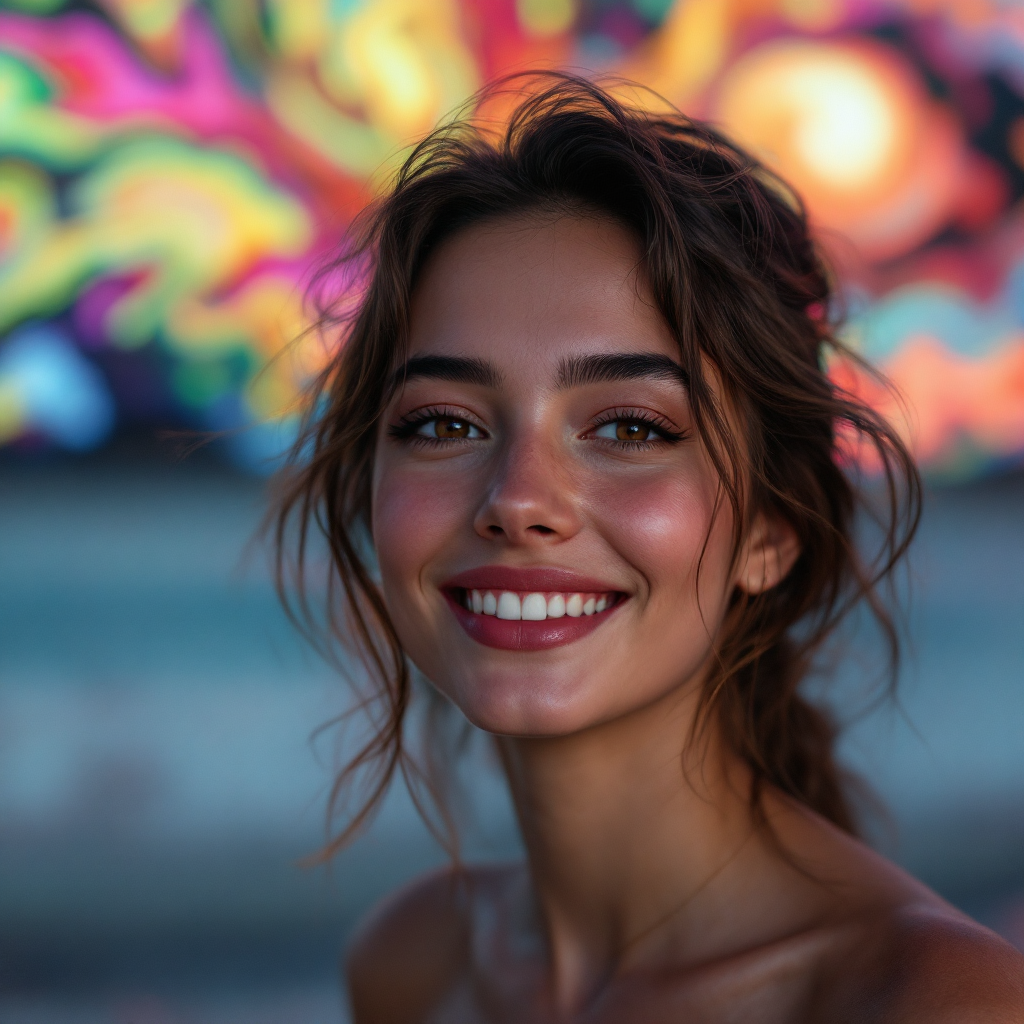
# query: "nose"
[[530, 499]]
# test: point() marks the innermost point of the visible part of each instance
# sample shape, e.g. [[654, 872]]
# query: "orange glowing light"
[[850, 125]]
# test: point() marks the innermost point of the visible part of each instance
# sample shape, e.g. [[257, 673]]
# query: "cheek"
[[660, 526], [413, 519]]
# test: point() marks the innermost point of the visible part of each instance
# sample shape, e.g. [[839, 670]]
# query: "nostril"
[[496, 531], [541, 529]]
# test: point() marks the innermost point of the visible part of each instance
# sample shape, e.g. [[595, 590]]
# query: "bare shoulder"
[[927, 962], [418, 935], [413, 947], [894, 951], [942, 966]]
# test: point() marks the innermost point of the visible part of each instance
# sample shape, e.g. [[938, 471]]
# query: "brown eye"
[[449, 428], [627, 430], [630, 430]]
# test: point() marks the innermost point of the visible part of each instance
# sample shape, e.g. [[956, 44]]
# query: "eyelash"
[[406, 428], [668, 435]]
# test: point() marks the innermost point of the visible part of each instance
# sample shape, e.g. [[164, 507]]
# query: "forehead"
[[524, 292]]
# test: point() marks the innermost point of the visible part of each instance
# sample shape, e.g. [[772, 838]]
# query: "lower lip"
[[527, 635]]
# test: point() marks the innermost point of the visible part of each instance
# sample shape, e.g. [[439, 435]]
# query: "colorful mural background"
[[171, 171]]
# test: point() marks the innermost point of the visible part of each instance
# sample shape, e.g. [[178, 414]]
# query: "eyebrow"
[[578, 371], [574, 372], [460, 369]]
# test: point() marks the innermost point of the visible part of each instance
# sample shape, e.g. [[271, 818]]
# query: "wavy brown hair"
[[729, 260]]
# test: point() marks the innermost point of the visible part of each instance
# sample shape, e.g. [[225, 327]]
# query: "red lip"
[[542, 578], [519, 634]]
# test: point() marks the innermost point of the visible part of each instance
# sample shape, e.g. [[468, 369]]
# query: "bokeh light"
[[172, 171], [853, 130]]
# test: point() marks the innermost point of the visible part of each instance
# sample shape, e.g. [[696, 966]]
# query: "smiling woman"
[[579, 463]]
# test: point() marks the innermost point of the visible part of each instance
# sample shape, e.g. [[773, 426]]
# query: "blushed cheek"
[[660, 527], [414, 520]]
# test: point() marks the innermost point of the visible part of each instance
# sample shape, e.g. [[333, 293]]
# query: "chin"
[[525, 702]]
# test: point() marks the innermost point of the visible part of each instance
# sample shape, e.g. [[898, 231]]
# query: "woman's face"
[[540, 498]]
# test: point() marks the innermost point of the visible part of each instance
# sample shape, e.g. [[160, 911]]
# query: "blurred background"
[[170, 174]]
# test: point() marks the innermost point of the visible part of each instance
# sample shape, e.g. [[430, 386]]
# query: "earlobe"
[[769, 552]]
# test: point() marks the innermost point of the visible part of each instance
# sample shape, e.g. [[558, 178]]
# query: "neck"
[[623, 830]]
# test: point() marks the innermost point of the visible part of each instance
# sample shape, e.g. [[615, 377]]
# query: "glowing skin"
[[542, 484], [538, 521]]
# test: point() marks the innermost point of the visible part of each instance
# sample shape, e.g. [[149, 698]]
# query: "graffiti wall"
[[171, 172]]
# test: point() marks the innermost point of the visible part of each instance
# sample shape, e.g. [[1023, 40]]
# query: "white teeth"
[[534, 607], [509, 606]]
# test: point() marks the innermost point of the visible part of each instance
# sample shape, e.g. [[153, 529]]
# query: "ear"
[[767, 554]]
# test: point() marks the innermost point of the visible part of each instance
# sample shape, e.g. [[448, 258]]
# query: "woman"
[[579, 463]]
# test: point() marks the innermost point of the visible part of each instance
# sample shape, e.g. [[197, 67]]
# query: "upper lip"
[[530, 580]]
